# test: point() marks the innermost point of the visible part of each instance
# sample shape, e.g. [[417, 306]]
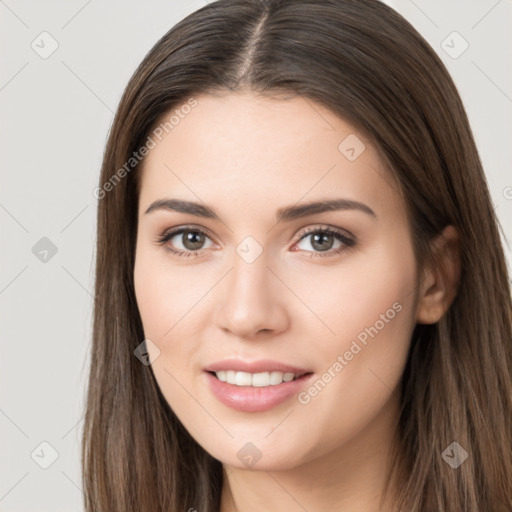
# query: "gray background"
[[55, 116]]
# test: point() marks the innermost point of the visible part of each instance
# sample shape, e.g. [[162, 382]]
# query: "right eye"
[[191, 239]]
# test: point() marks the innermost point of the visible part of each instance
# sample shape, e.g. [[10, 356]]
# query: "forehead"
[[246, 148]]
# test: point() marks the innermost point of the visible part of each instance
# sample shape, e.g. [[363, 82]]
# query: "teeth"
[[254, 379]]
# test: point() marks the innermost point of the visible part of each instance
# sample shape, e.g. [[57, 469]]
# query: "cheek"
[[369, 296], [169, 302], [373, 317], [361, 374], [162, 302], [149, 285], [163, 295], [378, 307]]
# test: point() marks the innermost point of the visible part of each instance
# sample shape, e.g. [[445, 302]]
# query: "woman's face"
[[264, 289]]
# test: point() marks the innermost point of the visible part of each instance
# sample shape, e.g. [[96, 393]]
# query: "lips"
[[262, 392], [255, 399], [262, 365]]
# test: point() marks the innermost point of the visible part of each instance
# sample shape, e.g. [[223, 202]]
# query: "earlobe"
[[440, 282]]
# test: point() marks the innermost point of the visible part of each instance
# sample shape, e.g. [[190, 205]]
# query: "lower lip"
[[255, 399]]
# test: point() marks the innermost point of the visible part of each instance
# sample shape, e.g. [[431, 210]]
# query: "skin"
[[246, 156]]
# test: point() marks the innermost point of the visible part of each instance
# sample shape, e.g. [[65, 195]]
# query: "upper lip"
[[259, 366]]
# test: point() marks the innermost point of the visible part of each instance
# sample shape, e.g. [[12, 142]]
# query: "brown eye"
[[184, 241], [192, 240], [322, 240]]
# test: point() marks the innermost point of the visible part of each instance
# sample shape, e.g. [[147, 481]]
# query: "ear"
[[440, 280]]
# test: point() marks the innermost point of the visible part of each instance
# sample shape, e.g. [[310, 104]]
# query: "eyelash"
[[347, 242]]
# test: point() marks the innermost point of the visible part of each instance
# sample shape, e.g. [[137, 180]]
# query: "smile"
[[261, 379], [255, 392]]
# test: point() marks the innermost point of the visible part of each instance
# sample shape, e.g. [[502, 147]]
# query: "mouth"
[[260, 379], [256, 392]]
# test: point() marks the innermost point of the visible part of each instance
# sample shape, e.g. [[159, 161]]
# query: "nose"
[[252, 300]]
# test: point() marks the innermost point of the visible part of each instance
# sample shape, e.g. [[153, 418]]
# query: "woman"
[[301, 295]]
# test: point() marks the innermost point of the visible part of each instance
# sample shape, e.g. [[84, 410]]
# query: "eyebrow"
[[285, 214]]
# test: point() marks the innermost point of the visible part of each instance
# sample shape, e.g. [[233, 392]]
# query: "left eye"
[[322, 240]]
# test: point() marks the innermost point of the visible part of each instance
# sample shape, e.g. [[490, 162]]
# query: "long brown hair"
[[367, 64]]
